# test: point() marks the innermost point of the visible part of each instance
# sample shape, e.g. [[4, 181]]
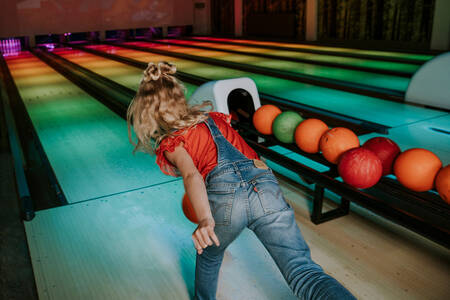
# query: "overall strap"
[[226, 152]]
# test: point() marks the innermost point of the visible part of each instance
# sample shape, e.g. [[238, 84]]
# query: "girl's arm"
[[196, 192]]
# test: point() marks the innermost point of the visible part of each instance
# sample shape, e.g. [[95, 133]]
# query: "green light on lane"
[[348, 61], [419, 57], [36, 93], [366, 78], [359, 62]]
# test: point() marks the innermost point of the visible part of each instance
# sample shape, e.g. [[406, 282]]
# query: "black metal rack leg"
[[318, 217]]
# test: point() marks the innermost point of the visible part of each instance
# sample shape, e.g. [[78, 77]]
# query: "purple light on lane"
[[49, 46]]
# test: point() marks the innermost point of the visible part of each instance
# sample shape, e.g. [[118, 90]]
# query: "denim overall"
[[242, 195]]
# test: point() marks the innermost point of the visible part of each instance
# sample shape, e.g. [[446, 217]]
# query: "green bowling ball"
[[284, 126]]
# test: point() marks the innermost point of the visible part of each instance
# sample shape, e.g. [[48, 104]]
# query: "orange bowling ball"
[[263, 118], [442, 183], [416, 169], [188, 210], [336, 141], [308, 133]]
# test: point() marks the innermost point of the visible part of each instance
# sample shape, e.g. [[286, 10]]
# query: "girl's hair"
[[159, 108]]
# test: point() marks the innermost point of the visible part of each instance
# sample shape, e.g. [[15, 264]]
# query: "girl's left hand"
[[204, 235]]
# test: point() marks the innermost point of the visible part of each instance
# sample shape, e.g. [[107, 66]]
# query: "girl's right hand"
[[204, 235]]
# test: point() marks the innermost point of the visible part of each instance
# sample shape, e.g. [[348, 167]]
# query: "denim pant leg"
[[206, 273], [208, 263], [281, 236]]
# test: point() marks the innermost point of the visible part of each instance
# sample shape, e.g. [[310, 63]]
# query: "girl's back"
[[200, 145]]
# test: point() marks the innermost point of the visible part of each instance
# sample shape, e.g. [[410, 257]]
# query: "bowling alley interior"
[[345, 102]]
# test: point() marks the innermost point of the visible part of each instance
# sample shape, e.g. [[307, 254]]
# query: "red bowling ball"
[[386, 150], [360, 168]]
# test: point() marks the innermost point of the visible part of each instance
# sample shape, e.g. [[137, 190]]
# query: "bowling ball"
[[336, 141], [386, 149], [308, 133], [284, 126], [360, 167], [416, 169], [188, 210], [263, 118], [442, 183]]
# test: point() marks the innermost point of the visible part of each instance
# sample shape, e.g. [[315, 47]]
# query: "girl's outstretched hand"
[[204, 235]]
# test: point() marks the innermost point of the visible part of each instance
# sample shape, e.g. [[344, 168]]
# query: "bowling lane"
[[381, 81], [345, 61], [375, 110], [419, 58], [85, 142], [121, 73], [137, 245]]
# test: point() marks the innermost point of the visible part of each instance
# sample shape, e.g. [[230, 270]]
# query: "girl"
[[229, 187]]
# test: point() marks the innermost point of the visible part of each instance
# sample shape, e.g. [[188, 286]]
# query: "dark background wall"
[[222, 13], [283, 18], [34, 17], [388, 20], [387, 23]]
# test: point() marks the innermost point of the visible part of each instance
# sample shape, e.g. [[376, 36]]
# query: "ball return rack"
[[424, 213]]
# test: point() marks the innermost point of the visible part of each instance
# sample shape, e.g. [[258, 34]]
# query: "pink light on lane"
[[105, 48], [68, 51], [152, 45], [253, 42], [209, 45], [210, 38], [19, 56], [177, 41]]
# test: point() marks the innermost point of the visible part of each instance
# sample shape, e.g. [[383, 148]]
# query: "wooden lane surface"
[[373, 257]]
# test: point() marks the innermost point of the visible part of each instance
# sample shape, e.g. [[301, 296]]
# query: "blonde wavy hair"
[[159, 108]]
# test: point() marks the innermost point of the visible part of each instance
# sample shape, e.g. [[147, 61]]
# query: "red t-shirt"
[[200, 145]]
